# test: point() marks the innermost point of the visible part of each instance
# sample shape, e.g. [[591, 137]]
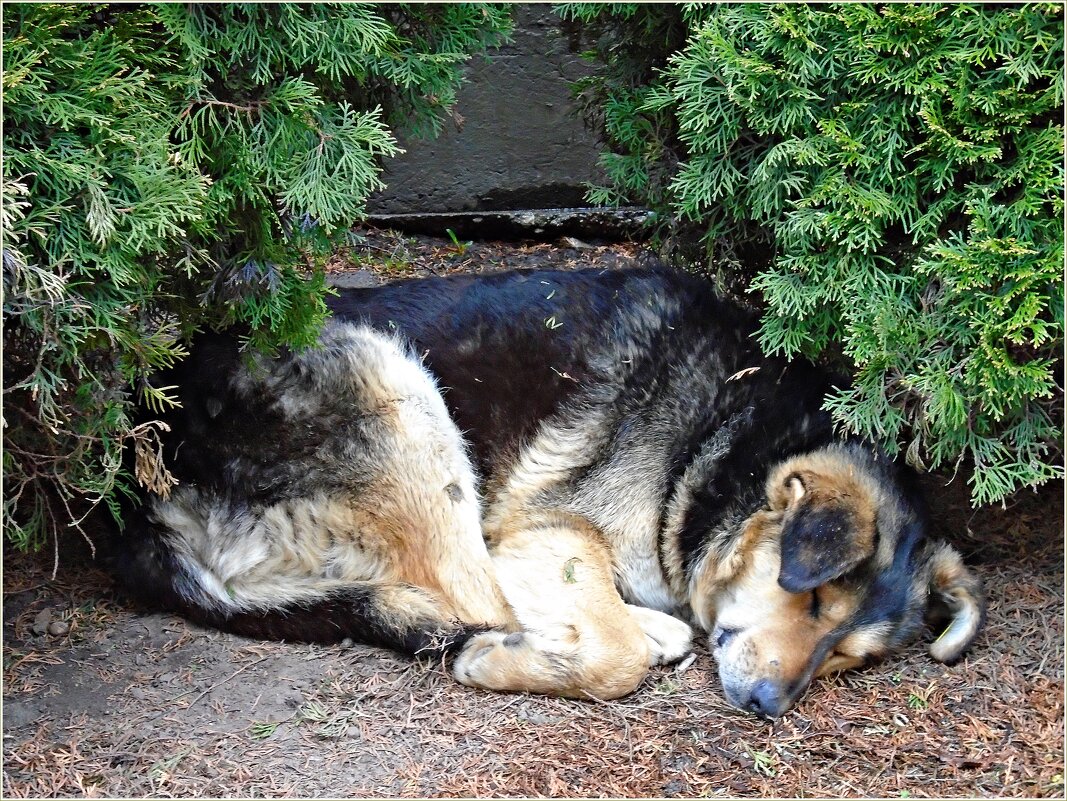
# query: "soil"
[[101, 699]]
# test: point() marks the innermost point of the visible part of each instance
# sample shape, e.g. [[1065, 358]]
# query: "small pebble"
[[59, 628], [577, 244], [41, 621]]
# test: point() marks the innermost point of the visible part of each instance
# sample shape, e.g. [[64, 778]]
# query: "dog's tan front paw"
[[669, 639]]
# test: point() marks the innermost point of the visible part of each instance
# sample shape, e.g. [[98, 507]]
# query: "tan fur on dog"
[[579, 639]]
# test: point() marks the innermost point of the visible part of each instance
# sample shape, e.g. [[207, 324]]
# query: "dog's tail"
[[392, 615]]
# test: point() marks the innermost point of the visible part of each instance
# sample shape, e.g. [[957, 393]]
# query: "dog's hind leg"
[[424, 510], [397, 616], [160, 567], [579, 638], [408, 571], [422, 504], [354, 513]]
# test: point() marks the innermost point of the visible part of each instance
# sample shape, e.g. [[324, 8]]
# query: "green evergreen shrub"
[[168, 167], [888, 179]]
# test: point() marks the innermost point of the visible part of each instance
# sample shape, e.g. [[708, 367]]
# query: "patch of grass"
[[667, 686], [162, 771], [919, 698], [313, 711], [763, 762], [459, 247], [328, 724], [394, 267], [392, 255], [264, 730]]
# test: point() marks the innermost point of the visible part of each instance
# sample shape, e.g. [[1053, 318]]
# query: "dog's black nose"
[[765, 700]]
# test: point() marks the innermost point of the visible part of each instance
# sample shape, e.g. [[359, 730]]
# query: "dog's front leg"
[[669, 639], [578, 638]]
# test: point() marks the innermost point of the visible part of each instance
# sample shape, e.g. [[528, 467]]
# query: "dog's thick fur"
[[553, 475]]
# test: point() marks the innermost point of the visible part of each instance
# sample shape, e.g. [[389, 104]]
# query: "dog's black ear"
[[955, 605], [828, 525]]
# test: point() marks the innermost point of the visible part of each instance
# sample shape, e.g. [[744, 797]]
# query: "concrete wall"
[[519, 145]]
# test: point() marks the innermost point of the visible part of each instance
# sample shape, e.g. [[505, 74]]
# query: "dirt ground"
[[102, 700]]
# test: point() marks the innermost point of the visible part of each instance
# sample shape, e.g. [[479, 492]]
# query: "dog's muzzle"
[[764, 697]]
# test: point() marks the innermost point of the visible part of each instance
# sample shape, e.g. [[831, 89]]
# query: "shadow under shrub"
[[888, 179]]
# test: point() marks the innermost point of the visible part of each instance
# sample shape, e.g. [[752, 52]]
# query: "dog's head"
[[834, 573]]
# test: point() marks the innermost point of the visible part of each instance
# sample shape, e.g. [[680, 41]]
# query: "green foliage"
[[890, 180], [171, 167]]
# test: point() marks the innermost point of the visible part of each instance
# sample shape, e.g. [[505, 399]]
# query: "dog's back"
[[512, 349]]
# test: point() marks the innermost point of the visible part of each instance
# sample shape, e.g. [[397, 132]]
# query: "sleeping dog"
[[555, 476]]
